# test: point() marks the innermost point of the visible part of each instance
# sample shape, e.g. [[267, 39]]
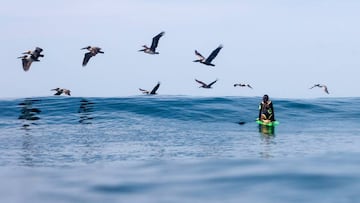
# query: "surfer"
[[266, 110]]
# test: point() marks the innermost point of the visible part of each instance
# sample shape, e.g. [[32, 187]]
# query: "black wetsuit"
[[267, 109]]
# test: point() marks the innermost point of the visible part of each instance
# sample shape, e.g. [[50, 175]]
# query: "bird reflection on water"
[[85, 110], [28, 113]]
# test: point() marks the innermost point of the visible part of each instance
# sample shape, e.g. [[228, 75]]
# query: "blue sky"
[[280, 47]]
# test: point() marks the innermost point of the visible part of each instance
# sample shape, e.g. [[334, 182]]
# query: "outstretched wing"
[[87, 57], [316, 85], [213, 54], [326, 89], [199, 55], [58, 92], [249, 86], [155, 41], [201, 82], [153, 91], [144, 91], [26, 64], [212, 83]]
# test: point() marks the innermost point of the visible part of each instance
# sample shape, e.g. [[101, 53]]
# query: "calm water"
[[178, 149]]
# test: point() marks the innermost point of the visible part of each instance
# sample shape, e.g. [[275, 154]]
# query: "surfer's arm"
[[260, 107]]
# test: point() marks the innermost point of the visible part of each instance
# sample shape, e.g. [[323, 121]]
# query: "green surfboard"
[[272, 123]]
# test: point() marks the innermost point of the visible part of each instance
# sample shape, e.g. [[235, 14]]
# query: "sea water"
[[178, 149]]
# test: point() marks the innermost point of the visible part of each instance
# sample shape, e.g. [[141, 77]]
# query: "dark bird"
[[60, 91], [204, 85], [243, 85], [154, 44], [153, 91], [321, 86], [30, 56], [26, 62], [207, 61], [35, 54], [92, 52]]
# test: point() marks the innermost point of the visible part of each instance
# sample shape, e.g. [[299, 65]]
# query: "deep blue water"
[[178, 149]]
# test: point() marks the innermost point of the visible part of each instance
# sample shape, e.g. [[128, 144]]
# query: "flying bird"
[[207, 61], [204, 85], [154, 44], [153, 91], [321, 86], [243, 85], [92, 52], [30, 56], [60, 91], [35, 54]]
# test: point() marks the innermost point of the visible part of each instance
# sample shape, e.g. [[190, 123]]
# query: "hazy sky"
[[280, 47]]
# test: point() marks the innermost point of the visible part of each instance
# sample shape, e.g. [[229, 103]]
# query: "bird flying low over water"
[[154, 44], [204, 85], [207, 61], [321, 86], [30, 56], [243, 85], [60, 91], [153, 91], [92, 52]]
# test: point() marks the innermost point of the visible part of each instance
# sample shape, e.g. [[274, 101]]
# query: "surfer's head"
[[265, 98]]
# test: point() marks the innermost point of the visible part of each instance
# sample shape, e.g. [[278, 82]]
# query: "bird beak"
[[84, 48]]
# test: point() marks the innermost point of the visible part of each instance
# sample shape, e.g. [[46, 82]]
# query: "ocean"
[[178, 149]]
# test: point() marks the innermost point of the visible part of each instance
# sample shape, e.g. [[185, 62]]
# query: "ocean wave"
[[194, 109]]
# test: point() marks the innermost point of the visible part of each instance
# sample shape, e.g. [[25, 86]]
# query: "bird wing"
[[87, 57], [155, 41], [58, 92], [144, 91], [249, 86], [326, 89], [201, 82], [26, 64], [199, 55], [212, 83], [316, 85], [153, 91], [213, 54]]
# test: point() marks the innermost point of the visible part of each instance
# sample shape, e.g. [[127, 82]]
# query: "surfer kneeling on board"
[[266, 110]]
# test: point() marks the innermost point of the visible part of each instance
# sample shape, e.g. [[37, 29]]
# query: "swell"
[[200, 109]]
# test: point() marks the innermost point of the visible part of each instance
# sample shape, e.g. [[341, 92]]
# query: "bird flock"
[[31, 56]]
